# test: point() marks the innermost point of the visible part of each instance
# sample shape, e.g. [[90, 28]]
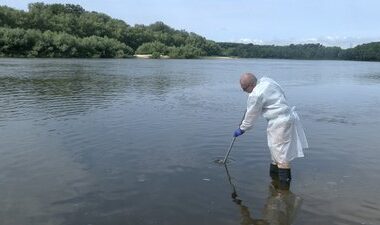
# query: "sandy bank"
[[148, 56]]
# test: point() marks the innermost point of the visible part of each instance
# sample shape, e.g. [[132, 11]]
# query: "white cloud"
[[253, 41]]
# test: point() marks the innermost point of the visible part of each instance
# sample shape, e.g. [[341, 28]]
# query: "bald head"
[[248, 82]]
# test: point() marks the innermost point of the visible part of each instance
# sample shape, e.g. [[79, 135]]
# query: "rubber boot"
[[285, 177], [273, 171]]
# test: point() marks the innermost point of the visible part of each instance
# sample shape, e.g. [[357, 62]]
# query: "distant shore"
[[218, 57], [149, 56]]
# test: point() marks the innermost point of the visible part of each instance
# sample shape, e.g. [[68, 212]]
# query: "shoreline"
[[148, 56]]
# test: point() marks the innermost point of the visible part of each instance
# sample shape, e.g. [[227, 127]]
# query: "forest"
[[69, 31]]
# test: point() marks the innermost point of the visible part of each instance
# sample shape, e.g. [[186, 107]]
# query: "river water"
[[132, 141]]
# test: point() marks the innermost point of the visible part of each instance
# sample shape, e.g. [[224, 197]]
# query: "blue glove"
[[238, 132]]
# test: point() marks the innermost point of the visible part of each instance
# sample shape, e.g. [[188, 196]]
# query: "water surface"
[[133, 142]]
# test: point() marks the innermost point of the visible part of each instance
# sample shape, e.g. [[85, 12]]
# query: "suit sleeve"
[[254, 108]]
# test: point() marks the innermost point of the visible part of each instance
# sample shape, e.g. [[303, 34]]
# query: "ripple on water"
[[102, 141]]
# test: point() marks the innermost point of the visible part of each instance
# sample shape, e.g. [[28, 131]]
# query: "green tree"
[[150, 47], [185, 52], [68, 30]]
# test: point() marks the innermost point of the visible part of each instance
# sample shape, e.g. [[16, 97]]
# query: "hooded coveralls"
[[286, 137]]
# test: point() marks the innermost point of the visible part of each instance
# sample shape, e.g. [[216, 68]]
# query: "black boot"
[[273, 172], [285, 178]]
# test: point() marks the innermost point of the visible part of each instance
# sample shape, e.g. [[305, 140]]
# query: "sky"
[[343, 23]]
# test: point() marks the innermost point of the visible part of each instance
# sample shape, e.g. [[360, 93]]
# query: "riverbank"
[[149, 56]]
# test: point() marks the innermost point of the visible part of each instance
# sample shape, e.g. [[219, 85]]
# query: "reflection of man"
[[280, 208], [286, 137]]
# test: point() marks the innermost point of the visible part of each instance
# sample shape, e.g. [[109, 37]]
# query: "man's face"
[[246, 87]]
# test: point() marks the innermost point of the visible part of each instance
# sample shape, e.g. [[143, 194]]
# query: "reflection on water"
[[64, 88], [281, 206], [57, 96], [370, 78]]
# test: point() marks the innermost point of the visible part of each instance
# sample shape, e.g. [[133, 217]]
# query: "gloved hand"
[[238, 132]]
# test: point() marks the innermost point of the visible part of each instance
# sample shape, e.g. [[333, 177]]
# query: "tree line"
[[67, 30]]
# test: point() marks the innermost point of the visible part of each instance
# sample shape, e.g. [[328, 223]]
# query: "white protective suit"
[[286, 137]]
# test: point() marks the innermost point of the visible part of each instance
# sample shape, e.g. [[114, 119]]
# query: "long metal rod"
[[229, 150], [232, 143]]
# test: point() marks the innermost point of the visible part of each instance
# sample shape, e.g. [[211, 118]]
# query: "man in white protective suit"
[[286, 137]]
